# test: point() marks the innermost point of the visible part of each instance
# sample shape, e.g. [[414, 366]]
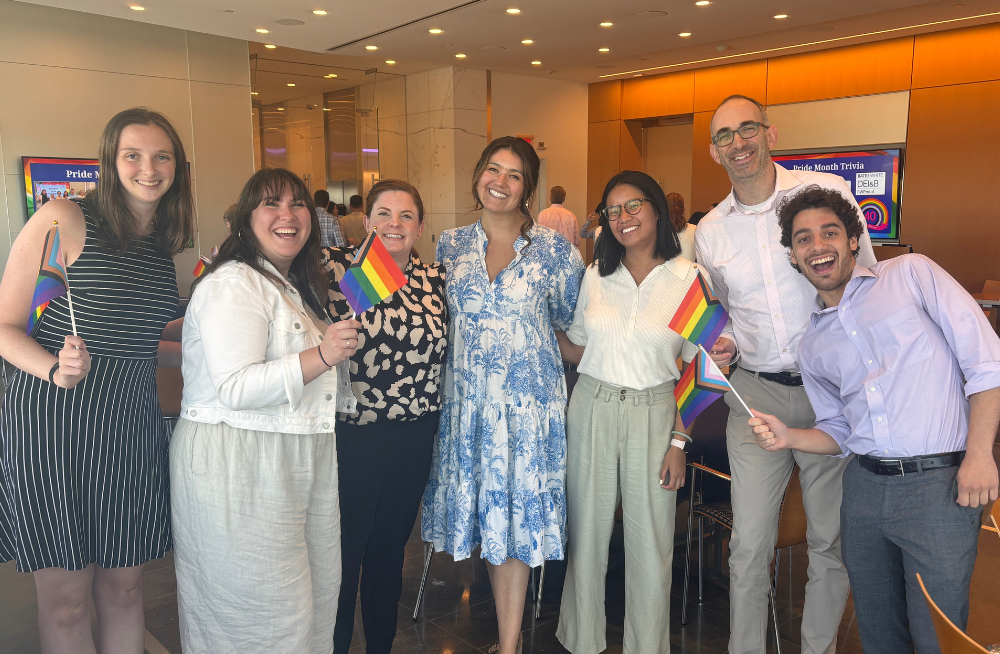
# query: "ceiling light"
[[281, 108], [261, 30], [390, 61], [536, 63], [319, 12], [435, 30], [684, 34], [527, 41], [371, 47], [330, 76], [460, 56], [702, 3], [270, 47], [780, 16], [607, 23], [327, 109], [253, 93], [137, 8], [290, 84], [513, 10], [604, 49]]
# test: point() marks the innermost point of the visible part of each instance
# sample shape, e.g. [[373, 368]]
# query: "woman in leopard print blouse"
[[384, 448]]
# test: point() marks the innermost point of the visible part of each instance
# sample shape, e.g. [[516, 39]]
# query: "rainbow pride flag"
[[700, 318], [51, 282], [700, 385], [199, 268], [372, 277]]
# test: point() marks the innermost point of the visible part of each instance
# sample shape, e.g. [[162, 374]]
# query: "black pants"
[[383, 470]]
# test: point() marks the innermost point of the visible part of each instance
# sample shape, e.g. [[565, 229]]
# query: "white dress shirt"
[[241, 342], [769, 302], [686, 237], [624, 326], [562, 220]]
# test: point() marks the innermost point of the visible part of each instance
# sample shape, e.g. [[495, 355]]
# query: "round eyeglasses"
[[632, 207], [746, 131]]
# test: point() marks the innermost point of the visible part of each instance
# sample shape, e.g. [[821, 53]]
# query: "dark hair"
[[529, 161], [342, 210], [815, 197], [737, 96], [356, 202], [696, 217], [675, 202], [557, 195], [389, 185], [608, 252], [229, 215], [321, 198], [117, 230], [306, 273]]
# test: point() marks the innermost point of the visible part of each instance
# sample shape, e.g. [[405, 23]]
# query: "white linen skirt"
[[256, 522]]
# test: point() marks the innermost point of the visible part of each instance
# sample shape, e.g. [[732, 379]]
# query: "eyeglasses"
[[632, 207], [746, 132]]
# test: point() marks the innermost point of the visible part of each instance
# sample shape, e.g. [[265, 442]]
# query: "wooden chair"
[[995, 518], [951, 639]]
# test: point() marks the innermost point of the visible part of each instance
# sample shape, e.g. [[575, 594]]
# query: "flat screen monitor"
[[49, 178], [874, 175]]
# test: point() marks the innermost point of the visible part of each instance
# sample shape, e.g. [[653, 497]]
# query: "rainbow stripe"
[[51, 282], [199, 268], [700, 318], [700, 385], [373, 276]]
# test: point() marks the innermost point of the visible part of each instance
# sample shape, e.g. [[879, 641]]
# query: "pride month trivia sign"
[[50, 179], [873, 177]]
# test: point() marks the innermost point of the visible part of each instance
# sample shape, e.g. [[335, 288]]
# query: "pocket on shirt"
[[291, 333], [902, 339]]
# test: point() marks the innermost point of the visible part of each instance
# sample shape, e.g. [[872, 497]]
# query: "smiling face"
[[146, 165], [501, 186], [636, 233], [281, 226], [742, 159], [395, 217], [823, 252]]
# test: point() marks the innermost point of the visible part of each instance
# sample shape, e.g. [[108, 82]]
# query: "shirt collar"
[[519, 244], [556, 204], [678, 266], [784, 182], [858, 277]]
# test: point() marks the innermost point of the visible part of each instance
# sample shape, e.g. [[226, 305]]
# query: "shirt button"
[[869, 360], [880, 420], [785, 350], [328, 397], [887, 451], [326, 425], [193, 412], [854, 333], [873, 389], [297, 326]]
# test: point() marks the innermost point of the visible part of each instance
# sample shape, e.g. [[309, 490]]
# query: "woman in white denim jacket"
[[253, 461]]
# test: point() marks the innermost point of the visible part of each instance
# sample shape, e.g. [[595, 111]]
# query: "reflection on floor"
[[458, 615]]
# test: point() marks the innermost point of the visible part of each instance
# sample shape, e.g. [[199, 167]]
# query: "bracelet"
[[320, 350], [682, 435], [678, 443], [52, 373]]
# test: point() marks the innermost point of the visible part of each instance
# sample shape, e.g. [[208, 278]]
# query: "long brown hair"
[[306, 272], [116, 224], [529, 161], [675, 203]]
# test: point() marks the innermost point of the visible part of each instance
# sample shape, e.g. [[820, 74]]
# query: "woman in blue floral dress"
[[499, 470]]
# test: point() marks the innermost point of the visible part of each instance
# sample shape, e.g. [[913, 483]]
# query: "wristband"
[[682, 435], [678, 443], [320, 350], [52, 373]]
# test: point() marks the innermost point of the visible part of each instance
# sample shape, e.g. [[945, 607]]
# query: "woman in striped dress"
[[83, 454]]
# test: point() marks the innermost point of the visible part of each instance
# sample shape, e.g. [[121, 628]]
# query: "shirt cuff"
[[984, 377], [830, 428], [291, 369]]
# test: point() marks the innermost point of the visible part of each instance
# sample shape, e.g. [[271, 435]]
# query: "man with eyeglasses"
[[739, 244]]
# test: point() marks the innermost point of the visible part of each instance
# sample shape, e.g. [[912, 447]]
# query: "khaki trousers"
[[616, 440], [759, 481]]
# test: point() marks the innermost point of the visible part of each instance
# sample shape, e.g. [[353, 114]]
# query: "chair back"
[[169, 388], [991, 287], [951, 639], [792, 519]]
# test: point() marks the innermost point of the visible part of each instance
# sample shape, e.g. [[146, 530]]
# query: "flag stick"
[[69, 294], [730, 385]]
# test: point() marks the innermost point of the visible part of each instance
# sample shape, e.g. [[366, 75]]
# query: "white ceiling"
[[566, 33]]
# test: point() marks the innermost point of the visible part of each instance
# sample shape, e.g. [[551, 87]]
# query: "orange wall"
[[951, 211]]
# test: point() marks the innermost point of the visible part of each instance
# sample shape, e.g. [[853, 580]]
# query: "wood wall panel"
[[950, 204], [879, 67], [661, 95], [957, 56], [604, 101], [630, 149], [713, 85], [603, 142], [709, 182]]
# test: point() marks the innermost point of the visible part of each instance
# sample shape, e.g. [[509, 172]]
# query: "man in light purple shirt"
[[903, 370]]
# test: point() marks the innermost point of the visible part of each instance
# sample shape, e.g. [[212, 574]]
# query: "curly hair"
[[816, 197]]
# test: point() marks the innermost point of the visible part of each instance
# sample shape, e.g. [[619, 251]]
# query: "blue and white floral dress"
[[499, 470]]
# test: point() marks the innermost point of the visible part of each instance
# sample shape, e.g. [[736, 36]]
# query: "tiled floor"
[[458, 615]]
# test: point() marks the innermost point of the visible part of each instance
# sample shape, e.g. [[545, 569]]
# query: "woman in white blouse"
[[253, 461], [623, 418]]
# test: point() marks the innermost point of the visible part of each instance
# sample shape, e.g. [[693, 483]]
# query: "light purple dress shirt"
[[890, 369]]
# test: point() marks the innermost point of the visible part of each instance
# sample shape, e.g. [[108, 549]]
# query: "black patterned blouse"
[[396, 372]]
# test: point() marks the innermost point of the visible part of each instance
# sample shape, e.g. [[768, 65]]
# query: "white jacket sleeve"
[[233, 323]]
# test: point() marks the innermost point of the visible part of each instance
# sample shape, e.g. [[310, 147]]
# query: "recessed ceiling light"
[[390, 61], [281, 108], [319, 12], [261, 30], [371, 47], [270, 47], [137, 8], [253, 93], [513, 10], [460, 56], [604, 49], [702, 3], [330, 76], [435, 30], [536, 63], [527, 41], [780, 16], [327, 109], [290, 84], [607, 23], [684, 34]]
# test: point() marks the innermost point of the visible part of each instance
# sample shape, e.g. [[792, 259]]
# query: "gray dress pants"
[[759, 481]]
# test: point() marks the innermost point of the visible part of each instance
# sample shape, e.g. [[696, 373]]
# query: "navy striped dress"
[[83, 472]]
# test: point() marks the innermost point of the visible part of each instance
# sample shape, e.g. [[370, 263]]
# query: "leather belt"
[[913, 464], [785, 378]]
